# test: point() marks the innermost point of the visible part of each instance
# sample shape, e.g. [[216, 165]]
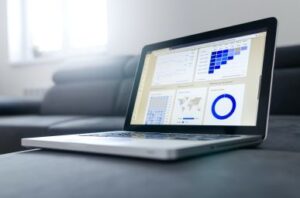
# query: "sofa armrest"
[[19, 106]]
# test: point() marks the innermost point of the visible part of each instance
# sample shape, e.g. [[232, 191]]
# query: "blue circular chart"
[[221, 97]]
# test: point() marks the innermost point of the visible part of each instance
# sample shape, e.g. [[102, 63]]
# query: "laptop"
[[197, 94]]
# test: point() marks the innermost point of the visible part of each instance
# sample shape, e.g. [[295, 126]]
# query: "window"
[[47, 29]]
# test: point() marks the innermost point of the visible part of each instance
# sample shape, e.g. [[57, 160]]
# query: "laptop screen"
[[208, 83]]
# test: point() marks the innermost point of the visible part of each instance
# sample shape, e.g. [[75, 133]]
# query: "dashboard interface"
[[212, 83]]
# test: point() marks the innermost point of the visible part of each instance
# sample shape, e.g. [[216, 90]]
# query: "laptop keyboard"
[[156, 135]]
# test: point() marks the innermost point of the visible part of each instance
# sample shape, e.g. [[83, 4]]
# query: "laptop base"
[[151, 148]]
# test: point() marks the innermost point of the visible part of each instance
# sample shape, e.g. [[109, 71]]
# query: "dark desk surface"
[[249, 173]]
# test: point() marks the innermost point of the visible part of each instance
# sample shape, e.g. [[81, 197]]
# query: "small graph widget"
[[189, 106], [159, 107], [222, 58], [175, 68], [229, 60], [157, 110], [224, 105], [227, 114]]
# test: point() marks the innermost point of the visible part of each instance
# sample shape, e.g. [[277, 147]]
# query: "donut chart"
[[221, 97]]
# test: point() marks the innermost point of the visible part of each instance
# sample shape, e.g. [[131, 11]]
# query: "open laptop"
[[192, 95]]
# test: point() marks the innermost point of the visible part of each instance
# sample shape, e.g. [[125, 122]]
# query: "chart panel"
[[174, 68], [159, 107], [225, 61], [189, 106], [224, 105]]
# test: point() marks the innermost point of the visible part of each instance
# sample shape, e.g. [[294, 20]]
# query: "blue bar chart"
[[222, 58], [229, 60]]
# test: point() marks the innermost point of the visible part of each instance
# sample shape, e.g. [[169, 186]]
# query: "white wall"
[[134, 23]]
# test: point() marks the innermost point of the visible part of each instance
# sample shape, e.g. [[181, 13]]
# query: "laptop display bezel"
[[268, 25]]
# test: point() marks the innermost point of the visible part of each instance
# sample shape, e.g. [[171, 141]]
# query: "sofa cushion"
[[125, 87], [283, 134], [13, 128], [86, 125], [287, 57], [105, 68], [123, 97], [90, 98], [92, 89], [33, 121], [19, 105], [285, 94], [130, 67]]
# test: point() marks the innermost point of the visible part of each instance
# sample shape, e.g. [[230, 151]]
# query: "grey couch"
[[85, 98], [94, 96]]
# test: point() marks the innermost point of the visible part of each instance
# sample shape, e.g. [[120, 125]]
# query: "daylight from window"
[[40, 29]]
